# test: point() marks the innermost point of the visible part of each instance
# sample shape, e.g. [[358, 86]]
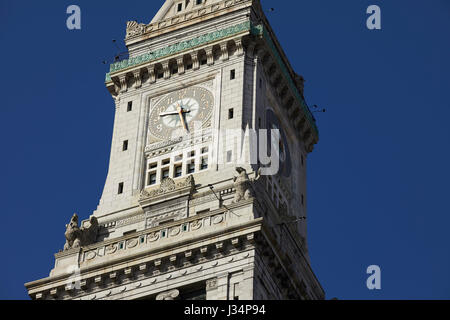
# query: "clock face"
[[285, 157], [176, 113]]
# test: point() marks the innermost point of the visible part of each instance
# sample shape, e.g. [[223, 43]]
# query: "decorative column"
[[195, 62], [224, 48], [112, 88], [239, 47], [166, 69], [151, 73], [137, 79], [209, 56], [251, 50], [180, 62], [123, 83]]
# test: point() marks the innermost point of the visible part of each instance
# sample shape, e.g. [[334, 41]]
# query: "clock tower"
[[190, 209]]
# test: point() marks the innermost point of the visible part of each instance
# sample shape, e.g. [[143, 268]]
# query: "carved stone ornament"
[[79, 237], [196, 225], [169, 295], [211, 284], [72, 234], [134, 29], [168, 185], [153, 237], [111, 249], [243, 185]]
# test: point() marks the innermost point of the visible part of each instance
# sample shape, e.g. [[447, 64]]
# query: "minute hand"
[[173, 113]]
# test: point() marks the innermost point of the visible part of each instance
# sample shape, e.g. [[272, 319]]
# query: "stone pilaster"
[[217, 288]]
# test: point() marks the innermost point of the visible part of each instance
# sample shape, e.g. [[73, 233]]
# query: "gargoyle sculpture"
[[243, 185], [72, 234], [78, 237]]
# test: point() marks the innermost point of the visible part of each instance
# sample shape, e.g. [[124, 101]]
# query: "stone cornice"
[[260, 30], [136, 262], [149, 231], [306, 271], [168, 226], [177, 48]]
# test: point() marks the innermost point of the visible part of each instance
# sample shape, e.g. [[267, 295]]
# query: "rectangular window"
[[180, 7], [191, 154], [178, 172], [191, 167], [205, 150], [232, 74], [230, 114], [165, 174], [130, 106], [166, 162], [179, 158], [199, 2], [303, 200], [151, 178], [152, 165], [120, 191], [260, 83], [204, 163], [125, 145], [189, 66]]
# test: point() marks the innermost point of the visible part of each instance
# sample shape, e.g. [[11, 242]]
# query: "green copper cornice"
[[261, 31], [178, 47]]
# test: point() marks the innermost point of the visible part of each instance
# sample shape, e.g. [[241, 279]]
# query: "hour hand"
[[173, 113]]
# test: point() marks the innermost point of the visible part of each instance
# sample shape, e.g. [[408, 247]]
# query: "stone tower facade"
[[185, 213]]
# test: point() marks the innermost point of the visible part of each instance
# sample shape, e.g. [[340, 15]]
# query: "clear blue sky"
[[378, 179]]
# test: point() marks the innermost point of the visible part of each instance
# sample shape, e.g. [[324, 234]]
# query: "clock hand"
[[168, 113], [181, 112]]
